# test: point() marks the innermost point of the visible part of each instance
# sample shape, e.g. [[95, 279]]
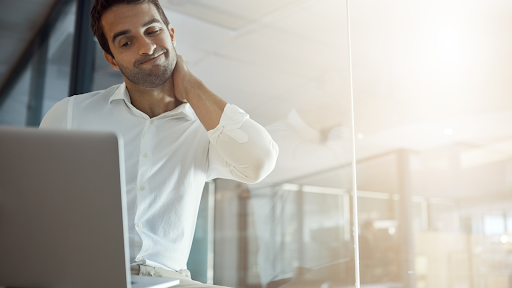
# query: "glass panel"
[[45, 80], [432, 115], [14, 109], [104, 75], [286, 64], [200, 261], [60, 51]]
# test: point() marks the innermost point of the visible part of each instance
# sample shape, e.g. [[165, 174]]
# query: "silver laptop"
[[63, 218]]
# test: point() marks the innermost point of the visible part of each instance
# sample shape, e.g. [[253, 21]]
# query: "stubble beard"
[[153, 76]]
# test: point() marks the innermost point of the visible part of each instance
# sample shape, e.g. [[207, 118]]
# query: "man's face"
[[141, 44]]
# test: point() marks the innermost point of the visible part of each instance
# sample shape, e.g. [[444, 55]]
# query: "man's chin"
[[153, 81], [159, 69]]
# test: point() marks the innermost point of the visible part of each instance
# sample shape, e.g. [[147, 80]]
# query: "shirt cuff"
[[231, 120]]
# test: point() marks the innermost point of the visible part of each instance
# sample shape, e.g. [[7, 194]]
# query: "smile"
[[151, 59]]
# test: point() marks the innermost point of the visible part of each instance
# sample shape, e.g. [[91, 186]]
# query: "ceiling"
[[281, 59], [414, 65], [233, 15], [426, 75]]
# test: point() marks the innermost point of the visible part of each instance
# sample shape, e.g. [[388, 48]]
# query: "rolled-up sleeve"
[[240, 149]]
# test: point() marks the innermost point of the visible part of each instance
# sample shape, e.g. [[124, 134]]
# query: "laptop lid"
[[62, 209]]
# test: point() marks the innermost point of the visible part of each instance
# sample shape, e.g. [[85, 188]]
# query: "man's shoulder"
[[62, 113], [95, 96]]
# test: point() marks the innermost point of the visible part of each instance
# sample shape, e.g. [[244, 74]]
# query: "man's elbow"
[[263, 163]]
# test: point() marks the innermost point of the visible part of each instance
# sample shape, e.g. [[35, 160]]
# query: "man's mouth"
[[147, 61]]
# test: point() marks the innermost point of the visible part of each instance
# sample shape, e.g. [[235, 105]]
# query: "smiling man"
[[177, 133]]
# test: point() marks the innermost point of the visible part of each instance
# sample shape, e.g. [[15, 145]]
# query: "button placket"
[[145, 154], [142, 172]]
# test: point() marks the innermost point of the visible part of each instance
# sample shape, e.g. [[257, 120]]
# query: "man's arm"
[[188, 88], [240, 148]]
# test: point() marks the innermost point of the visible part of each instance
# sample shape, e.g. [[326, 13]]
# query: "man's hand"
[[188, 88], [184, 81]]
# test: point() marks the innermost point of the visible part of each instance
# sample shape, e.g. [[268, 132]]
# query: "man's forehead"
[[127, 16]]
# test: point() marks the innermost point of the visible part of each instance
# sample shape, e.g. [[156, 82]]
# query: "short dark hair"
[[99, 7]]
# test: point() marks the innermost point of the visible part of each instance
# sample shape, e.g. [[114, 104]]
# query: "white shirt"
[[168, 158]]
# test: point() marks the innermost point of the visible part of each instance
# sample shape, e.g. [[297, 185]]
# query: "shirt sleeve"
[[240, 149], [58, 116]]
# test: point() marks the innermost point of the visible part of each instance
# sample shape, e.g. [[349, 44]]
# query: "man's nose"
[[146, 47]]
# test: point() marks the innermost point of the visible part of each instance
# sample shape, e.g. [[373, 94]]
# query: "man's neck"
[[153, 101]]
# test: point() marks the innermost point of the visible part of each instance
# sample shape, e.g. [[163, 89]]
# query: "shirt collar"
[[183, 110], [121, 93]]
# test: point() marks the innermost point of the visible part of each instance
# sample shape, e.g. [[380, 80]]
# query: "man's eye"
[[153, 32], [126, 44]]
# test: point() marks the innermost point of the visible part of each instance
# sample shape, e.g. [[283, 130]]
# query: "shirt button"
[[145, 155], [142, 188], [138, 259], [139, 225]]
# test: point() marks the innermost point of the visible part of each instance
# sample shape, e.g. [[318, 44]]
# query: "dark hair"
[[99, 7]]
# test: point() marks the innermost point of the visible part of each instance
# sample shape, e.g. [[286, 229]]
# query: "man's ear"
[[111, 61], [171, 32]]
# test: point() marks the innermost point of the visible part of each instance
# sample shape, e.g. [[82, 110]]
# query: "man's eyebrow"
[[152, 21], [120, 33], [124, 32]]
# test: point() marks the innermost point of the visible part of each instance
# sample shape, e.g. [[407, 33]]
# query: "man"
[[177, 133]]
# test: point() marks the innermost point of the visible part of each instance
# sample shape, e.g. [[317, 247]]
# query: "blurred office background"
[[433, 132]]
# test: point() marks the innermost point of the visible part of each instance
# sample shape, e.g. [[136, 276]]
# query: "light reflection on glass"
[[432, 95], [280, 62]]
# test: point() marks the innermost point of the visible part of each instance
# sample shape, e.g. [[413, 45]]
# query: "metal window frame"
[[82, 61], [35, 44]]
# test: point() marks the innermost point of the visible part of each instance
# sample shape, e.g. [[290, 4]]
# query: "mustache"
[[156, 52]]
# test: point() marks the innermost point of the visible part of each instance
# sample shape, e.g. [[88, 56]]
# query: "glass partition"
[[60, 49], [286, 64], [13, 111], [433, 118], [45, 79]]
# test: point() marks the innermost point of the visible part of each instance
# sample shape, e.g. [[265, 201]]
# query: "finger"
[[182, 61]]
